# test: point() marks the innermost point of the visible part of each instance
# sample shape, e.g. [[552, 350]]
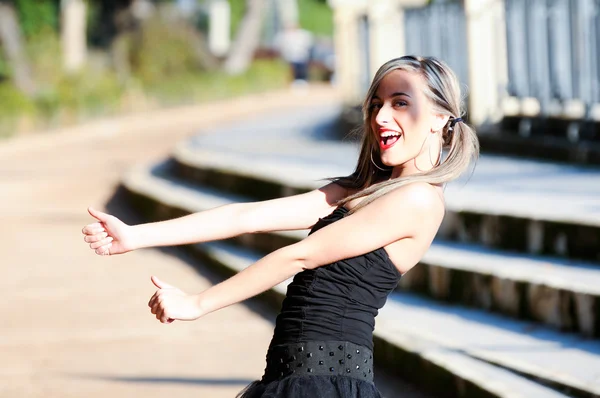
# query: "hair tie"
[[453, 122]]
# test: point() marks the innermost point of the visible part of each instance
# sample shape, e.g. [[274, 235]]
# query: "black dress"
[[323, 340]]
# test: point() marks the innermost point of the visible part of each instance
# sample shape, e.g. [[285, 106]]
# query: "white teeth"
[[390, 134]]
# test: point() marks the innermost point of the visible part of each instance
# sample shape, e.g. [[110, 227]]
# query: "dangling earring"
[[375, 164], [439, 162]]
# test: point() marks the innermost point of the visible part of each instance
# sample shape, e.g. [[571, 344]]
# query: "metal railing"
[[439, 30], [553, 50]]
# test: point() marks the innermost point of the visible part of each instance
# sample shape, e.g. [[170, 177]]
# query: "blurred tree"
[[37, 17], [12, 45], [247, 39]]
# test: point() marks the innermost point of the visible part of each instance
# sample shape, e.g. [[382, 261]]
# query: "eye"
[[400, 103], [374, 106]]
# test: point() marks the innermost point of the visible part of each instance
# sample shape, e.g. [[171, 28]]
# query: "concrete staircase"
[[504, 304]]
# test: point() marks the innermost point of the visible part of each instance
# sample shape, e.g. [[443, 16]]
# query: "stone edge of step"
[[137, 180], [141, 180], [464, 368], [228, 162]]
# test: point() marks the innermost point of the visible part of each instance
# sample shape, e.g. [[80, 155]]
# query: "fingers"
[[152, 300], [102, 242], [92, 229], [95, 237], [104, 250], [158, 308], [98, 238], [161, 313]]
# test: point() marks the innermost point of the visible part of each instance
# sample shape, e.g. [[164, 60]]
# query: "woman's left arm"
[[400, 214]]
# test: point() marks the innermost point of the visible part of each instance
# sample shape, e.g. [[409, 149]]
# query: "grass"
[[315, 16], [263, 75], [76, 99]]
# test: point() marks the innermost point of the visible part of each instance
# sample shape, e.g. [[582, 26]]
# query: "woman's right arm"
[[111, 236]]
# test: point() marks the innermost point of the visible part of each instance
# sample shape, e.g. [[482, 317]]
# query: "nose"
[[383, 115]]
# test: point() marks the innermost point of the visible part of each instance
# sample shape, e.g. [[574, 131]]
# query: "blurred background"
[[63, 62], [152, 110]]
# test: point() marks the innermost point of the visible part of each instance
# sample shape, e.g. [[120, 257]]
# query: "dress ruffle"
[[311, 387]]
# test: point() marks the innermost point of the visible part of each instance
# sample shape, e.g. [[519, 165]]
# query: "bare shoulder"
[[404, 221], [419, 196], [425, 203]]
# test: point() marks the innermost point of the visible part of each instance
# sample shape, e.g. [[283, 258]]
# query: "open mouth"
[[389, 140]]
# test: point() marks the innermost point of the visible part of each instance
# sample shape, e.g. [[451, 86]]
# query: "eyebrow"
[[394, 95]]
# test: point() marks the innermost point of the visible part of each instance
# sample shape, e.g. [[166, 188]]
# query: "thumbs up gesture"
[[170, 303], [108, 235]]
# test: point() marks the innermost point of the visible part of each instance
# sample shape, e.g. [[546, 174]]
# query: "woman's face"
[[404, 123]]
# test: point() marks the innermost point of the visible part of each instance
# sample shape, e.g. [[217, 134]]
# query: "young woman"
[[367, 229]]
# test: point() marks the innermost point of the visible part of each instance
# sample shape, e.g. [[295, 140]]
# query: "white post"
[[347, 56], [219, 27], [73, 34], [386, 21], [486, 42]]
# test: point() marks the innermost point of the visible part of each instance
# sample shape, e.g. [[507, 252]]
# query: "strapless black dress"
[[323, 339]]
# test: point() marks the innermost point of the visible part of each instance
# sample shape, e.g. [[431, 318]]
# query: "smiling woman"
[[412, 112], [366, 230]]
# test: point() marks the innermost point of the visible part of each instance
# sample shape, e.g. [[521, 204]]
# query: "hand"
[[108, 236], [170, 303]]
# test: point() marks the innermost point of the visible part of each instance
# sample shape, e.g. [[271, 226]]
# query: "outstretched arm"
[[402, 214], [111, 236]]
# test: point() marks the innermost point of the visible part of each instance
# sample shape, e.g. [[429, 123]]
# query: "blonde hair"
[[443, 91]]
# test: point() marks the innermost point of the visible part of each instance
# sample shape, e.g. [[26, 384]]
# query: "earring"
[[439, 162], [375, 164]]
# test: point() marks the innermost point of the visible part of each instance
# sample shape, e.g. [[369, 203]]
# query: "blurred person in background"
[[295, 45], [367, 229]]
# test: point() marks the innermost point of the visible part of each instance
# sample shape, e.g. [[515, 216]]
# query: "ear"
[[438, 122]]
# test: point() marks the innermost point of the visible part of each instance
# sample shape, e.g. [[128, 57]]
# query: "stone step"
[[562, 293], [509, 204], [547, 147], [418, 360], [411, 336]]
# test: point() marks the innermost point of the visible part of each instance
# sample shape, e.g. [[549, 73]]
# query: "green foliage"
[[160, 51], [238, 7], [37, 16], [83, 95], [316, 16], [158, 64], [262, 75], [13, 102], [45, 58], [5, 72]]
